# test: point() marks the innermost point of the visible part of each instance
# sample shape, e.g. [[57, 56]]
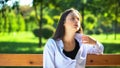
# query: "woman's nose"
[[76, 20]]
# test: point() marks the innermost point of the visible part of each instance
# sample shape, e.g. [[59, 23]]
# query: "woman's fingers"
[[85, 39], [88, 40]]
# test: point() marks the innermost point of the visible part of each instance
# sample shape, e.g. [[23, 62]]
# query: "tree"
[[4, 14], [35, 4], [107, 11]]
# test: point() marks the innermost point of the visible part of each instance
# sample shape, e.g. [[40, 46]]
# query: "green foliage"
[[97, 15], [48, 20], [1, 23], [47, 31], [13, 26], [21, 23], [10, 22], [31, 22], [90, 23], [98, 31], [36, 32]]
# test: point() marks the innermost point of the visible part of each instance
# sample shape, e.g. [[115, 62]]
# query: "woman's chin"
[[76, 28]]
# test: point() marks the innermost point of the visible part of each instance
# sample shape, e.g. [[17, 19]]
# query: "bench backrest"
[[37, 60]]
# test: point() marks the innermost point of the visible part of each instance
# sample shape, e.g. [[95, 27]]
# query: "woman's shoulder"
[[50, 41], [50, 44]]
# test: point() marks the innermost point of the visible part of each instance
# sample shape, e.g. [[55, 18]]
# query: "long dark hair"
[[60, 31]]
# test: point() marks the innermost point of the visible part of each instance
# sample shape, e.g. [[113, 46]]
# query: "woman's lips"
[[76, 25]]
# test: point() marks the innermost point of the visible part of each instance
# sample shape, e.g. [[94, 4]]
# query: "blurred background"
[[26, 25]]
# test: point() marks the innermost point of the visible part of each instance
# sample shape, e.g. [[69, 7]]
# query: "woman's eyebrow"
[[75, 15]]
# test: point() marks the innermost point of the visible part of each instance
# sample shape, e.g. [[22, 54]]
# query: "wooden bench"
[[37, 60]]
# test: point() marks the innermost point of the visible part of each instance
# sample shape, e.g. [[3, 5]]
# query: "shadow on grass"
[[111, 48], [29, 48], [16, 47]]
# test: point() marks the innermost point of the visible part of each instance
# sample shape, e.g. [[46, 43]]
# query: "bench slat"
[[103, 60], [37, 60], [21, 60]]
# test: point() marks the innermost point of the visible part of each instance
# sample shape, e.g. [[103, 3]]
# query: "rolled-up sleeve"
[[95, 49]]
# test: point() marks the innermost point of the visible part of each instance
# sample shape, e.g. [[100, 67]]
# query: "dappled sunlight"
[[111, 48], [15, 47], [18, 37], [20, 42], [26, 42], [4, 48], [39, 50], [23, 49], [107, 38]]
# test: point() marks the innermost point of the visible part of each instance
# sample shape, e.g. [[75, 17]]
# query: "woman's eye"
[[78, 19], [73, 18]]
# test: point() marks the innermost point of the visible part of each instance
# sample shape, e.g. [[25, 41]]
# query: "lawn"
[[27, 43], [21, 42], [111, 46], [107, 39]]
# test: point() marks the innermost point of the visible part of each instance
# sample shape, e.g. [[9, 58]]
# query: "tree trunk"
[[40, 24], [83, 17]]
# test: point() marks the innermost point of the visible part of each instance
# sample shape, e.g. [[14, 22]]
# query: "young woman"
[[69, 46]]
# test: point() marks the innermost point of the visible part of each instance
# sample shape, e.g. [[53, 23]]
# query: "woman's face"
[[72, 22]]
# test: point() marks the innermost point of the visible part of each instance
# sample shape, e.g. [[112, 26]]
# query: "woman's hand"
[[88, 40]]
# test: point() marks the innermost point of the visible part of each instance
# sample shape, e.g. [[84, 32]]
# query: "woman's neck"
[[69, 41], [69, 37]]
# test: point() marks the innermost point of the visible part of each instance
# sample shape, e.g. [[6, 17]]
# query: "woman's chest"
[[62, 61]]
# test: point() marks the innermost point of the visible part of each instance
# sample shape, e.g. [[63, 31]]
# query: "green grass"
[[27, 43], [16, 47], [18, 37], [21, 42], [107, 39], [111, 46]]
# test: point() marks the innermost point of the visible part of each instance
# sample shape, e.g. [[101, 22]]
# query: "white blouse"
[[53, 56]]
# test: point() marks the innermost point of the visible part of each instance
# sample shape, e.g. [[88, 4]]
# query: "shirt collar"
[[77, 37]]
